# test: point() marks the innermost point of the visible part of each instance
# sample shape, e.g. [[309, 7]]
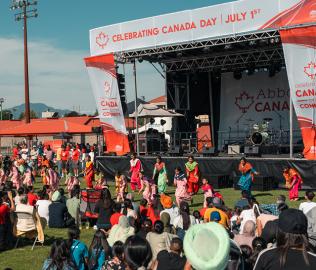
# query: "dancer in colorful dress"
[[120, 186], [293, 182], [15, 175], [148, 186], [135, 168], [160, 175], [180, 182], [52, 178], [247, 175], [89, 172], [27, 177], [207, 190], [72, 181], [3, 176], [192, 171], [100, 181]]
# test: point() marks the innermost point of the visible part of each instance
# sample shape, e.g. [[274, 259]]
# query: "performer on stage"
[[149, 187], [89, 172], [192, 171], [180, 182], [293, 181], [136, 167], [247, 175], [120, 186], [160, 175]]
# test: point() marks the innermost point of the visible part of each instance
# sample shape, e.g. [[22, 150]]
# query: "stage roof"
[[224, 24]]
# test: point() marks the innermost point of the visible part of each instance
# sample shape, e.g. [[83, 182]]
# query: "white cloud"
[[58, 76]]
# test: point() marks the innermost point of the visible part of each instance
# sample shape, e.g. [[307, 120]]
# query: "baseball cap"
[[293, 221]]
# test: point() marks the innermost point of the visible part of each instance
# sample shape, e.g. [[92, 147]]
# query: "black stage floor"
[[267, 166]]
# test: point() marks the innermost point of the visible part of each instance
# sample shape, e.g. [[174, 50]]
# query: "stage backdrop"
[[254, 98], [104, 84], [300, 55]]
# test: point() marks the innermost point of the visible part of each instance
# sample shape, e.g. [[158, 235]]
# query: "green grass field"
[[24, 258]]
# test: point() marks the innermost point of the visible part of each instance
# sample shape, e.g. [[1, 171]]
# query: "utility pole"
[[1, 113], [27, 12]]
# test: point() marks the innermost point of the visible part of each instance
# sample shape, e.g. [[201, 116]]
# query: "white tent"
[[150, 110]]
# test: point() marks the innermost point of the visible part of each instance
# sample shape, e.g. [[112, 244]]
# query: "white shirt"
[[307, 206], [178, 221], [173, 213], [42, 208], [245, 216]]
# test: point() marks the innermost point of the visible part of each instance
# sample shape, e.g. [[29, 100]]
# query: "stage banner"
[[299, 46], [201, 24], [104, 84], [252, 103]]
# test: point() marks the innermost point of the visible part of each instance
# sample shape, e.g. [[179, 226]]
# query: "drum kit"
[[260, 133]]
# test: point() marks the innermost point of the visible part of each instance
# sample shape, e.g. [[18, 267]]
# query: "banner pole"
[[136, 109], [291, 125]]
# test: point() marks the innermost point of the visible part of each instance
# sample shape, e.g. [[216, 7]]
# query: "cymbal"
[[267, 119], [249, 120]]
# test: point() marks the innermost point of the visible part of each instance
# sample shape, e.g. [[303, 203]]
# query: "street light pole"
[[25, 14], [1, 113]]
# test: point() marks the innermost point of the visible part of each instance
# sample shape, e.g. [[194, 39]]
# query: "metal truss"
[[225, 61], [129, 56]]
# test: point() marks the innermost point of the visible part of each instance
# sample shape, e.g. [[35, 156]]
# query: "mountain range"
[[36, 107]]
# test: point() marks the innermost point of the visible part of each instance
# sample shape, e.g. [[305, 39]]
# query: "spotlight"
[[252, 43], [179, 54], [228, 46], [140, 59]]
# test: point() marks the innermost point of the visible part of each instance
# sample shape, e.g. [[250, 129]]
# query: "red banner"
[[103, 80], [299, 46]]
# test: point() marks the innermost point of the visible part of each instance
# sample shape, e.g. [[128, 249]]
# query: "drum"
[[258, 138]]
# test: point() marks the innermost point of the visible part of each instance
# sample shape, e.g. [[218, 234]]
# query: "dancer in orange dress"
[[293, 181], [89, 172], [193, 174]]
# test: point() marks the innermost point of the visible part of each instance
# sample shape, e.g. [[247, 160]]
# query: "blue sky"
[[59, 39]]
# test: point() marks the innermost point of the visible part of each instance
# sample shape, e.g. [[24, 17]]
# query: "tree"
[[7, 115], [33, 115], [72, 114]]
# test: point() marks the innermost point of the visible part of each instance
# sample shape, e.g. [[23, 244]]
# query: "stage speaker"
[[233, 149], [218, 181], [208, 151], [252, 151]]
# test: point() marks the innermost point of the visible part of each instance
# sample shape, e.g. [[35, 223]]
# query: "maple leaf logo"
[[244, 101], [310, 70], [107, 88], [102, 40]]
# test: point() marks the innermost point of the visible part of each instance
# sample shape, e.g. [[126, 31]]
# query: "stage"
[[210, 166]]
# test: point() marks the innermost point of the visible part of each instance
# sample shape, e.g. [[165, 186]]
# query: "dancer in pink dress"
[[27, 177], [15, 175], [135, 168], [149, 187], [53, 178], [3, 176], [181, 182], [71, 182], [207, 190]]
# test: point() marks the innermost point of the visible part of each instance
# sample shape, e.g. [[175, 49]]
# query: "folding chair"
[[21, 233]]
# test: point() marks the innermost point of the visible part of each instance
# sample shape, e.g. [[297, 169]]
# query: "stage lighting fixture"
[[179, 54], [228, 46], [237, 74], [252, 43], [207, 49], [140, 59]]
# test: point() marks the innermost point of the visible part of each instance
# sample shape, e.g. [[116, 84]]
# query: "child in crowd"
[[207, 190], [52, 178], [143, 209], [44, 175], [27, 178], [197, 217], [148, 186], [120, 186], [180, 182]]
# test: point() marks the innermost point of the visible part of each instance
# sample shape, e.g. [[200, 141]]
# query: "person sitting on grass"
[[99, 250], [309, 204], [78, 250], [57, 212], [59, 257], [31, 196], [243, 201], [5, 224], [117, 261]]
